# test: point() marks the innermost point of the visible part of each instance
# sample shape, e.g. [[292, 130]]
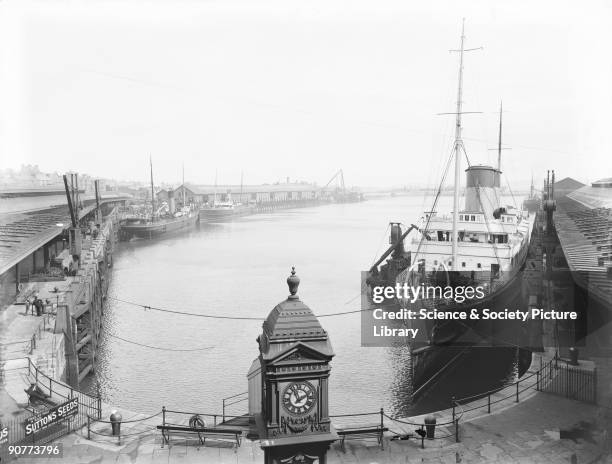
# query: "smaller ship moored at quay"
[[158, 222], [220, 211]]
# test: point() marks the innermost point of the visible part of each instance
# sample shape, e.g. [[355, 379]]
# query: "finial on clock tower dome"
[[293, 281]]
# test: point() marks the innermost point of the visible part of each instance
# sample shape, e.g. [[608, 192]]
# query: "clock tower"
[[288, 384]]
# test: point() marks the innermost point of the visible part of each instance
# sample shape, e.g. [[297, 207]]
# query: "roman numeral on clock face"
[[299, 397]]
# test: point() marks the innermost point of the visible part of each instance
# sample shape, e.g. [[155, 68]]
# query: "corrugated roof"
[[593, 197], [567, 185], [23, 233], [586, 237]]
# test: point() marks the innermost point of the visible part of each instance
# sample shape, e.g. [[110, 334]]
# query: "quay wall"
[[84, 304], [274, 204]]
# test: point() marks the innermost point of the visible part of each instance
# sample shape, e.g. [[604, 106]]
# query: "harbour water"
[[239, 269]]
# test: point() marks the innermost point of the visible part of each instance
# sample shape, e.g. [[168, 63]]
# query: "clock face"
[[299, 397]]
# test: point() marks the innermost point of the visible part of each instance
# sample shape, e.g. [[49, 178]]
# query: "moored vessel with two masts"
[[481, 244], [161, 220]]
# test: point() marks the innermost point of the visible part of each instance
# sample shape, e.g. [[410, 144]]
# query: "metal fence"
[[569, 381], [17, 430], [58, 393], [18, 349], [381, 421], [171, 417], [88, 405], [21, 348], [555, 376], [488, 399], [232, 400], [102, 430]]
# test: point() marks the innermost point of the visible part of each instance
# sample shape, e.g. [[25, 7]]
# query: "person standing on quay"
[[38, 303]]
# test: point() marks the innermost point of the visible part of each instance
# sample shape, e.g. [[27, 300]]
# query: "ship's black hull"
[[430, 358], [211, 214], [155, 229]]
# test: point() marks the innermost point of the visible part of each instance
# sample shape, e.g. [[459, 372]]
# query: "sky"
[[276, 89]]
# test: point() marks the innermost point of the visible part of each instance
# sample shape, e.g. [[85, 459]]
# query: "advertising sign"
[[52, 416]]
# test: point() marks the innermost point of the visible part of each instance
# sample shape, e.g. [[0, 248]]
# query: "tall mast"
[[215, 195], [152, 191], [241, 179], [184, 204], [76, 193], [499, 143], [458, 146]]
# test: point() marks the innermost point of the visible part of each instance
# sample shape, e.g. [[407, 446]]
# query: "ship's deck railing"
[[465, 242]]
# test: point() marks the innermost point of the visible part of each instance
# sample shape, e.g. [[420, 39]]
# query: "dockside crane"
[[72, 197], [342, 186]]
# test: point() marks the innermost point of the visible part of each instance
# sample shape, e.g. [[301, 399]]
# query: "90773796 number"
[[32, 451]]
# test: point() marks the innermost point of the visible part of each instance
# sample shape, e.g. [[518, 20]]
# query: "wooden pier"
[[84, 303]]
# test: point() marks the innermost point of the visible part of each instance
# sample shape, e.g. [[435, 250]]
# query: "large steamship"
[[481, 245]]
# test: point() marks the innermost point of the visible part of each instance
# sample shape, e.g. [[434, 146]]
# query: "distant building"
[[201, 194]]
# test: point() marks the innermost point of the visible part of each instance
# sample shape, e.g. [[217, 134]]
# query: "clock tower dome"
[[288, 384]]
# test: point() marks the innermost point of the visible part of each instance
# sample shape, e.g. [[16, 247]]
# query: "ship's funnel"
[[482, 190]]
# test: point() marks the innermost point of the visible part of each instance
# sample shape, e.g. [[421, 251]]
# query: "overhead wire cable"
[[210, 316], [159, 347]]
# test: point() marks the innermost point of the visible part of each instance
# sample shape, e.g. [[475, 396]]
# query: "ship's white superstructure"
[[491, 239]]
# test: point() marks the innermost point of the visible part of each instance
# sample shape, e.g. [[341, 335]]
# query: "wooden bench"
[[202, 433], [366, 432]]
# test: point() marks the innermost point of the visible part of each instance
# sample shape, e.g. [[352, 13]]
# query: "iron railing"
[[104, 425], [533, 381], [234, 399], [88, 405], [555, 376], [451, 427], [171, 417], [58, 393], [21, 348], [569, 381]]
